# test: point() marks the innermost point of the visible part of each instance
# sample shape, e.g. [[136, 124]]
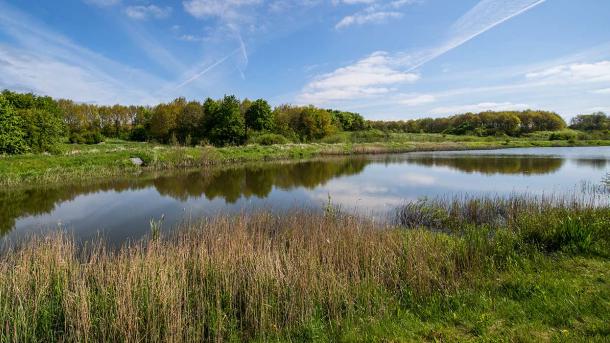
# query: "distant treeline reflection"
[[230, 184], [490, 165]]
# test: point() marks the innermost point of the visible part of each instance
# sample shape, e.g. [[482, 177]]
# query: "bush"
[[93, 137], [341, 137], [562, 136], [76, 138], [139, 134], [270, 139], [370, 136], [88, 137]]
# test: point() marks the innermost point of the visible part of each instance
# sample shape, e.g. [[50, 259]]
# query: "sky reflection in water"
[[374, 185]]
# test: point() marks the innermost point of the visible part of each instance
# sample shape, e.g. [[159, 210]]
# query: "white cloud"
[[603, 91], [191, 38], [418, 179], [339, 85], [355, 2], [575, 72], [365, 18], [47, 63], [216, 8], [28, 72], [146, 12], [103, 3], [376, 12], [417, 99], [372, 75], [480, 107], [400, 3]]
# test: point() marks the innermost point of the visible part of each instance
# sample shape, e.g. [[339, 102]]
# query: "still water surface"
[[374, 185]]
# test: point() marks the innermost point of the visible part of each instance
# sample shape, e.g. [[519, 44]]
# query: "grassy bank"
[[310, 276], [112, 158]]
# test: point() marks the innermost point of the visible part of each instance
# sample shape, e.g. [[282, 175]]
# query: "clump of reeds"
[[246, 276], [551, 222]]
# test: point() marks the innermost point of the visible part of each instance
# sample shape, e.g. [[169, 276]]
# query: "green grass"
[[558, 298], [325, 276], [111, 158]]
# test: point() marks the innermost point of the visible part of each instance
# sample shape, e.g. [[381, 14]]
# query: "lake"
[[374, 185]]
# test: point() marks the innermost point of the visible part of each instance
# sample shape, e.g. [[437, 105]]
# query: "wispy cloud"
[[191, 38], [103, 3], [575, 72], [48, 63], [239, 58], [372, 75], [147, 12], [233, 14], [417, 99], [367, 17], [226, 9], [376, 12], [353, 2], [603, 91], [481, 18], [486, 15], [480, 107]]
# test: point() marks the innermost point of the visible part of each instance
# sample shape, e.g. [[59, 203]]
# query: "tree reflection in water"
[[259, 179]]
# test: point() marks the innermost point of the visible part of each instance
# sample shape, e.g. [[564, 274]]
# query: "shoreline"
[[110, 160]]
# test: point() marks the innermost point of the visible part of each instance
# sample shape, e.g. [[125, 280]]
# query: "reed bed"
[[580, 221], [240, 277], [264, 276]]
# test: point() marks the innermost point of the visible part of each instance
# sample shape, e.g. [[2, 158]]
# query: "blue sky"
[[387, 59]]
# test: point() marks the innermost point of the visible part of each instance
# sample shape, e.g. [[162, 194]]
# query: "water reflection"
[[255, 180], [597, 163], [490, 165], [229, 184], [120, 204]]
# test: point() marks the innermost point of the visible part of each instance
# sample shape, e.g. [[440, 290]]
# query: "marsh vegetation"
[[474, 269]]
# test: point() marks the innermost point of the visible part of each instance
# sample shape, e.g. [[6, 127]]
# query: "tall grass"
[[578, 222], [263, 276]]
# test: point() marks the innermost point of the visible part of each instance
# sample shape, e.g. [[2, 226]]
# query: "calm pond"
[[375, 185]]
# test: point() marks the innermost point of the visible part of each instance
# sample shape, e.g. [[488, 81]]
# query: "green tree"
[[591, 122], [188, 122], [163, 120], [314, 123], [40, 117], [12, 137], [259, 116], [228, 126], [43, 129]]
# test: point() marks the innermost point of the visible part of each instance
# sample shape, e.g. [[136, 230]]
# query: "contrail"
[[242, 61], [486, 15], [210, 67]]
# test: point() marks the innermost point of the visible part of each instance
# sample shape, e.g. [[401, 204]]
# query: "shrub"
[[562, 136], [139, 134], [76, 138], [87, 137], [270, 139], [340, 137], [370, 136]]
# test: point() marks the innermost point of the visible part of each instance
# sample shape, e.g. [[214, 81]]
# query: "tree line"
[[226, 121], [591, 122], [511, 123], [31, 123]]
